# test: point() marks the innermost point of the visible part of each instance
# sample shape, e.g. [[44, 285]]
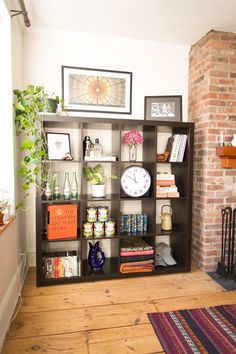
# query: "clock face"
[[135, 181]]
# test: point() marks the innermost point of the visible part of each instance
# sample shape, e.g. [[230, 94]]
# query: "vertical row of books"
[[60, 264], [178, 142], [166, 186]]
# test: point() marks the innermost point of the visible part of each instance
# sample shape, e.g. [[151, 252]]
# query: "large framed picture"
[[163, 108], [58, 146], [95, 90]]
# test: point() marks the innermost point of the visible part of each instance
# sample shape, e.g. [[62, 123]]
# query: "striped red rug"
[[205, 330]]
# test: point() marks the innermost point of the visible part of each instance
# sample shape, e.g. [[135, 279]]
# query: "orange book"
[[62, 221]]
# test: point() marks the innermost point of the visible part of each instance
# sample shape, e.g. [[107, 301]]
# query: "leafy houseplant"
[[29, 103], [95, 176]]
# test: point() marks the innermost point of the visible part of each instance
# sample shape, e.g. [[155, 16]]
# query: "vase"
[[233, 141], [132, 152], [98, 190]]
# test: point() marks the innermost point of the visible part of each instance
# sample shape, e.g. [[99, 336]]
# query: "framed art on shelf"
[[58, 146], [163, 108], [96, 90]]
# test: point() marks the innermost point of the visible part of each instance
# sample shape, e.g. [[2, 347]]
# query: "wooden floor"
[[105, 317]]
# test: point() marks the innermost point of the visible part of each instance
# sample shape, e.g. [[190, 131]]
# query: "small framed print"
[[58, 145], [163, 108]]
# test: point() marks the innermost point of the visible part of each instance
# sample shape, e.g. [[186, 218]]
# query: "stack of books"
[[178, 147], [165, 186]]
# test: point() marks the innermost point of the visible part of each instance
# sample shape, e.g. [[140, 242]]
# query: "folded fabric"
[[136, 253], [137, 267], [134, 244], [135, 258]]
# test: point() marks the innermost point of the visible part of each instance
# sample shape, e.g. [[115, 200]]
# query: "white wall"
[[12, 240], [158, 69]]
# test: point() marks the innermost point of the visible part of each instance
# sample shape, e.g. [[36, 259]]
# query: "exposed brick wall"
[[212, 107]]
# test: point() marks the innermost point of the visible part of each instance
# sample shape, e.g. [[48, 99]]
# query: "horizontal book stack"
[[178, 147], [165, 186], [60, 264]]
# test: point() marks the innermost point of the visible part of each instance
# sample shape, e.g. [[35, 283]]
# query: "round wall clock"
[[135, 181]]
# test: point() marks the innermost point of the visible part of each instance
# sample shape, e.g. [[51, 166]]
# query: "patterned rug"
[[205, 330]]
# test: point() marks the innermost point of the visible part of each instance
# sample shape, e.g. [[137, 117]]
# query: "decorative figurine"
[[96, 257]]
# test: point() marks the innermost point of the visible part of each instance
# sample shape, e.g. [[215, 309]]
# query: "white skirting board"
[[9, 301]]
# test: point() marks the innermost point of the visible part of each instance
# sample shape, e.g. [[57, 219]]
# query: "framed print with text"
[[95, 90], [58, 145], [163, 108]]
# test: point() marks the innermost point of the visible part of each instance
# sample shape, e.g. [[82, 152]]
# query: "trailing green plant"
[[28, 105], [95, 175]]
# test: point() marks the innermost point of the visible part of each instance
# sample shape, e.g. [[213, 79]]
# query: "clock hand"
[[131, 178], [135, 178]]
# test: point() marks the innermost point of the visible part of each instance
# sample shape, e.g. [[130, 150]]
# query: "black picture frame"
[[58, 145], [163, 108], [96, 90]]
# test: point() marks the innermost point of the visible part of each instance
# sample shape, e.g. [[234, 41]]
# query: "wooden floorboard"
[[105, 317]]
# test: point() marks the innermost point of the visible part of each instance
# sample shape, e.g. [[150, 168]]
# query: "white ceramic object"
[[98, 190], [233, 141]]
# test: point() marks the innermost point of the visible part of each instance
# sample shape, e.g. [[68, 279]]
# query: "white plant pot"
[[98, 190]]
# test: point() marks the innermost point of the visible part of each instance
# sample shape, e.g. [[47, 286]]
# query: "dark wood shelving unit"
[[179, 238]]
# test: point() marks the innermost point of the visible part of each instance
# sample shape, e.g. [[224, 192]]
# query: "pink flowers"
[[132, 137]]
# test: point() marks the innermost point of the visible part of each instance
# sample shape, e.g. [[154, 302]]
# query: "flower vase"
[[132, 152], [1, 219]]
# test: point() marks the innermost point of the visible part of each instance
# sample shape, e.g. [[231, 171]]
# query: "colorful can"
[[134, 223], [87, 229], [145, 222], [103, 212], [110, 228], [127, 222], [122, 225], [98, 229], [91, 214], [139, 218]]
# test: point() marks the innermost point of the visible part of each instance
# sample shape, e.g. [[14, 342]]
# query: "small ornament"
[[233, 141]]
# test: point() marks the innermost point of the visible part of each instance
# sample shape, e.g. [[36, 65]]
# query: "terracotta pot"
[[1, 219]]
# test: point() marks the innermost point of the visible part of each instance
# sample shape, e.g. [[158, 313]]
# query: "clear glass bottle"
[[92, 151], [98, 149], [74, 187], [56, 188], [66, 187], [48, 191]]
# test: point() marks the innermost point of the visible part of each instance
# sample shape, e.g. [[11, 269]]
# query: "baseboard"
[[10, 299], [31, 255]]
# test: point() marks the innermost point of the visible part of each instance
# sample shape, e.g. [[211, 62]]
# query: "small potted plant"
[[4, 203], [95, 176]]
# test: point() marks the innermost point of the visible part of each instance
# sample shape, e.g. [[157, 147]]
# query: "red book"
[[62, 221]]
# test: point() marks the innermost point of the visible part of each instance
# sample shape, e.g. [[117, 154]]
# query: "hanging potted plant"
[[29, 123], [95, 176]]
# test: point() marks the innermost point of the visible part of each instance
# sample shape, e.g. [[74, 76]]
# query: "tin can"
[[145, 222], [87, 229], [103, 212], [91, 214], [139, 218], [122, 225], [110, 228], [127, 222], [98, 229], [133, 223]]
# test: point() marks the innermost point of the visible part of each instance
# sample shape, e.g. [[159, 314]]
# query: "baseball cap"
[[164, 251], [159, 261]]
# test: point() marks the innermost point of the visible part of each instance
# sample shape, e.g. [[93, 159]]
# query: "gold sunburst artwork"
[[97, 90]]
